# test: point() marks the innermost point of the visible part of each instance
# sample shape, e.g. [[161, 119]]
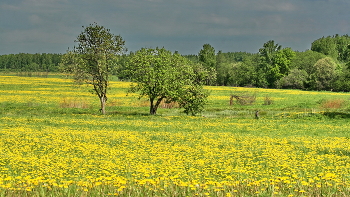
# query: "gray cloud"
[[51, 26]]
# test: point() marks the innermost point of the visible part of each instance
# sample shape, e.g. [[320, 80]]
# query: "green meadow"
[[54, 142]]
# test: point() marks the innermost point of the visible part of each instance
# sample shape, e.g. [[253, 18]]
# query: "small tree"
[[91, 61]]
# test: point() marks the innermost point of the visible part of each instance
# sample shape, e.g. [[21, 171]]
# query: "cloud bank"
[[51, 26]]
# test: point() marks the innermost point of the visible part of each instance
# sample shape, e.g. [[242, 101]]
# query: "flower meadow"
[[48, 149]]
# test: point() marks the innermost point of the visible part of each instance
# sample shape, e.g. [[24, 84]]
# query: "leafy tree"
[[92, 60], [343, 47], [207, 56], [268, 51], [161, 75], [274, 63], [267, 72], [222, 69], [283, 59]]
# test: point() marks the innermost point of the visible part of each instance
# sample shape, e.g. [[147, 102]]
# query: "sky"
[[51, 26]]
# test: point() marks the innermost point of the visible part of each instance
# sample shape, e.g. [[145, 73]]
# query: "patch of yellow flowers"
[[200, 162]]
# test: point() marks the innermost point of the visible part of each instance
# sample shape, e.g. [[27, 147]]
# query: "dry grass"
[[169, 105], [243, 99], [333, 104], [73, 103], [268, 100], [163, 104]]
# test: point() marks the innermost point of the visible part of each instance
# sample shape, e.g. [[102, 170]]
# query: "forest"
[[326, 66]]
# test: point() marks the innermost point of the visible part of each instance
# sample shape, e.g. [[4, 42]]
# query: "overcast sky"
[[51, 26]]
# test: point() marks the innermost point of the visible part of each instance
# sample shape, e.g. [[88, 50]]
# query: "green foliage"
[[306, 60], [91, 62], [233, 70], [207, 56], [193, 98], [158, 75], [324, 73], [296, 79], [325, 46], [283, 59], [30, 62], [268, 51], [336, 47], [274, 63], [273, 66], [241, 74], [342, 82], [267, 72], [222, 69]]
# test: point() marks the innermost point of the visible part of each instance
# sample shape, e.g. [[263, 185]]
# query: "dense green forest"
[[30, 62], [326, 66]]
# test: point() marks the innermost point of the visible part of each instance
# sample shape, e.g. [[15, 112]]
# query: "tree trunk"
[[154, 107], [152, 111], [103, 100]]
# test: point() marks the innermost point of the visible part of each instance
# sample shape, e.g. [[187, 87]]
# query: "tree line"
[[324, 67], [25, 62]]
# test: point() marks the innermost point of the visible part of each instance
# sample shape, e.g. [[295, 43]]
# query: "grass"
[[54, 142]]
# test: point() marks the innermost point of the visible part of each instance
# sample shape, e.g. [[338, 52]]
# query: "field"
[[54, 142]]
